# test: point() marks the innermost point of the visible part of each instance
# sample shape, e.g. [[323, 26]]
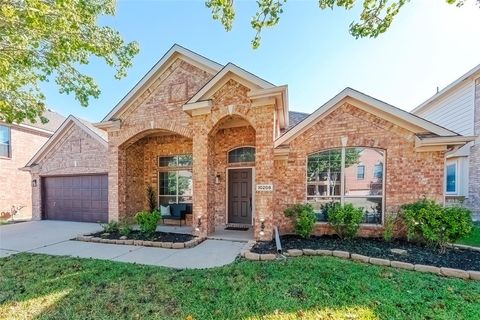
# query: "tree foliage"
[[375, 18], [42, 40]]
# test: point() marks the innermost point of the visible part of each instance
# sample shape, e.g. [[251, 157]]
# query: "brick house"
[[18, 143], [224, 141]]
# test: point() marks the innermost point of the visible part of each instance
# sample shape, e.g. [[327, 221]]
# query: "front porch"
[[213, 182]]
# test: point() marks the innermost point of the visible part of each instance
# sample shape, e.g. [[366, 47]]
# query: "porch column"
[[116, 183], [264, 169], [202, 208]]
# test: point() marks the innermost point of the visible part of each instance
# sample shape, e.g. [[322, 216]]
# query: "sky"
[[429, 45]]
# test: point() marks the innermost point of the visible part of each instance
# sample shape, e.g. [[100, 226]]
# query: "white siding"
[[455, 111]]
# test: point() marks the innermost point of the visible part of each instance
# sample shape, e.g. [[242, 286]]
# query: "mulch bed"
[[158, 236], [374, 247]]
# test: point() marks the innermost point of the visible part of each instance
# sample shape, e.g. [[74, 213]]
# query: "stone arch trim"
[[132, 134], [217, 117]]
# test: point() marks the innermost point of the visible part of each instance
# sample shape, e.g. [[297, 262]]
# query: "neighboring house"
[[223, 141], [457, 107], [18, 143], [69, 174]]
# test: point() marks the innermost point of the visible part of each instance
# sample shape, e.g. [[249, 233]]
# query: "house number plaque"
[[265, 187]]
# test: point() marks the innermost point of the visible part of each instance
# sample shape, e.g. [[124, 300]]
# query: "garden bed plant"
[[430, 229]]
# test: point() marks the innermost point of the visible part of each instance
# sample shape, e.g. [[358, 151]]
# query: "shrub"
[[435, 225], [111, 227], [303, 217], [389, 227], [151, 199], [125, 229], [147, 221], [345, 220]]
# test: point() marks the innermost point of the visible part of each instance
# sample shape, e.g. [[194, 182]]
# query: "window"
[[243, 154], [326, 186], [5, 143], [175, 183], [360, 172], [451, 177], [378, 170]]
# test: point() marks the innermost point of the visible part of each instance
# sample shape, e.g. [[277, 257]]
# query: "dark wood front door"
[[240, 196], [76, 198]]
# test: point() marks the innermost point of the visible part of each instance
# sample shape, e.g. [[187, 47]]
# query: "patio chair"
[[177, 212]]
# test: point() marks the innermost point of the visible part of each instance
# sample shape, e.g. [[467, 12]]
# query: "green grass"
[[47, 287], [473, 239]]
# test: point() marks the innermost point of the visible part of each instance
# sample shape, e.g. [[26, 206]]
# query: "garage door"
[[76, 198]]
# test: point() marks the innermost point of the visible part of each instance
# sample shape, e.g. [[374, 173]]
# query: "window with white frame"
[[360, 172], [451, 178], [333, 177], [5, 143], [242, 154], [175, 183]]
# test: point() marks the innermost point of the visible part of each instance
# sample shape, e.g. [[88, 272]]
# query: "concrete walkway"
[[53, 238]]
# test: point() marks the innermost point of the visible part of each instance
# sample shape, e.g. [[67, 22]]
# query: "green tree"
[[43, 40], [375, 18]]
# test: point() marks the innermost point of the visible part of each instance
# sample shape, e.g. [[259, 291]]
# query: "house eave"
[[198, 108]]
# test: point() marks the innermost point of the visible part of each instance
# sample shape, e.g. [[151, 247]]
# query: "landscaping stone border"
[[166, 245], [446, 272]]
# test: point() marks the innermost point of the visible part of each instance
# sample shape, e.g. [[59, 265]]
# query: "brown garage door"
[[76, 198]]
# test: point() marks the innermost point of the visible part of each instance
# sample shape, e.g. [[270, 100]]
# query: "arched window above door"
[[242, 154]]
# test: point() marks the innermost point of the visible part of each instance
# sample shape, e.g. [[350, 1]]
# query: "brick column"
[[264, 169], [201, 168], [116, 183]]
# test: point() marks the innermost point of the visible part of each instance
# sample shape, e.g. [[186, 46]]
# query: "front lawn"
[[46, 287], [472, 239]]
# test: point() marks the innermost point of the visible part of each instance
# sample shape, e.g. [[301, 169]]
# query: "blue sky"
[[430, 44]]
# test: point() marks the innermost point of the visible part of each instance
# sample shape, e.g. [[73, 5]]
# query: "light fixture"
[[34, 183], [199, 224], [217, 179], [262, 226]]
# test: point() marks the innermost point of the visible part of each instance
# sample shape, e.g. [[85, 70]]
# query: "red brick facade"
[[154, 124], [15, 185]]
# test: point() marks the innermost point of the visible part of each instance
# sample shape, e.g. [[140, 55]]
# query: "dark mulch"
[[157, 236], [373, 247]]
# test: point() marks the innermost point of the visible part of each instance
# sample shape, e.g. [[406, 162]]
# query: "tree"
[[43, 40], [375, 18]]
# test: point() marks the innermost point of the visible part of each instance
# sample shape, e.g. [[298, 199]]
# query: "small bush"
[[389, 227], [125, 229], [147, 221], [111, 227], [303, 217], [345, 220], [435, 225]]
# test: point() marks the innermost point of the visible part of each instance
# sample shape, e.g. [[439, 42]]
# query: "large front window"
[[5, 141], [175, 183], [349, 175]]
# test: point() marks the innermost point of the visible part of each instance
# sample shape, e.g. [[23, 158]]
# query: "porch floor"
[[232, 235]]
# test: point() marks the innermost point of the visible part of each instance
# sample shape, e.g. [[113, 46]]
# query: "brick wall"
[[474, 165], [77, 152], [15, 185], [410, 175]]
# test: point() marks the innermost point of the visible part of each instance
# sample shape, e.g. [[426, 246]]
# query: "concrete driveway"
[[53, 238], [28, 236]]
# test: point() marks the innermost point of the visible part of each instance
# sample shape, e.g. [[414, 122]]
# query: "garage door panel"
[[76, 198]]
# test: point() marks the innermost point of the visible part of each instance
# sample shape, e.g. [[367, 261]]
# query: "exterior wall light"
[[217, 179], [262, 227], [34, 183], [199, 224]]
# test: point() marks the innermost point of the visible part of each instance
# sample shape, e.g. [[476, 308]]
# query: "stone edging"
[[166, 245], [447, 272]]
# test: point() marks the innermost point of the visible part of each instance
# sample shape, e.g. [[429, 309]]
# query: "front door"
[[240, 196]]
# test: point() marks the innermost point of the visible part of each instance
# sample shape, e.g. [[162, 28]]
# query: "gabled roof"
[[472, 72], [176, 51], [382, 109], [246, 78], [95, 133]]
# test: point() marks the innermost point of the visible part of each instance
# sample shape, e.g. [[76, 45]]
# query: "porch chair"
[[177, 212]]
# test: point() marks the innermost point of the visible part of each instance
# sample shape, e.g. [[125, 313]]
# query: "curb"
[[441, 271], [157, 244]]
